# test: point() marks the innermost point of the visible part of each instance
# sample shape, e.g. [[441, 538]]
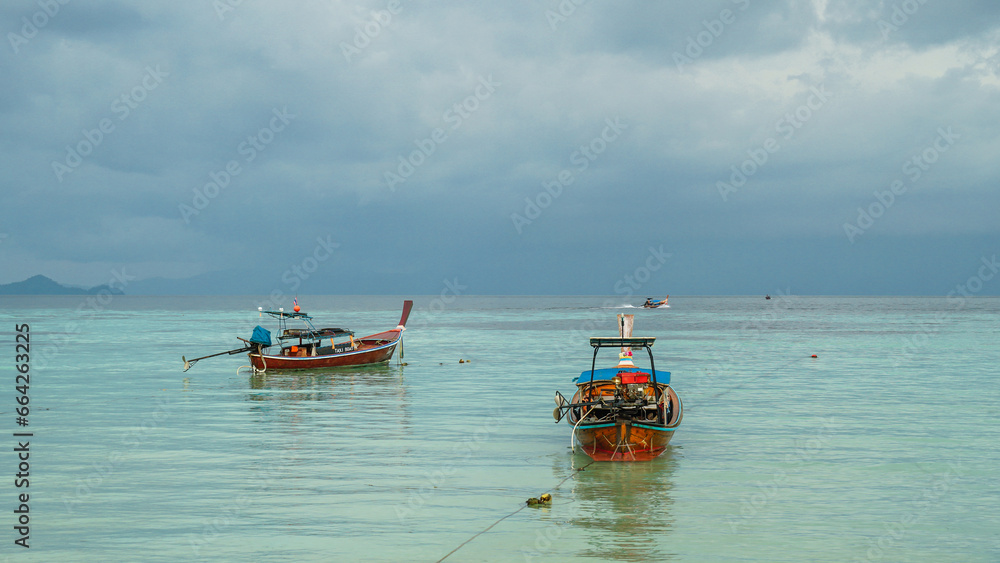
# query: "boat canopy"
[[606, 374], [619, 342]]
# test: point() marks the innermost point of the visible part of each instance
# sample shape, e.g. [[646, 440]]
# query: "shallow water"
[[882, 448]]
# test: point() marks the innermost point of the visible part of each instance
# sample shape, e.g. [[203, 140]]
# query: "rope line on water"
[[753, 379], [568, 477]]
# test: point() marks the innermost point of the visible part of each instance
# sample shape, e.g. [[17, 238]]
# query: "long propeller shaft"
[[188, 363]]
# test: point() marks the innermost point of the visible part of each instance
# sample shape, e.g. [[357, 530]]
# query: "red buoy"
[[814, 355]]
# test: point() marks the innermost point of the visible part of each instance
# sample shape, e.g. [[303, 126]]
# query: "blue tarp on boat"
[[261, 336], [605, 374]]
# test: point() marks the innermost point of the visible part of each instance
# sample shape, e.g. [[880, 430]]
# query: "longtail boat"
[[622, 413], [311, 348], [650, 304]]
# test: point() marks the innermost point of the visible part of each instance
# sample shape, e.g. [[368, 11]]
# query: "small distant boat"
[[650, 304], [311, 348], [767, 297], [622, 413]]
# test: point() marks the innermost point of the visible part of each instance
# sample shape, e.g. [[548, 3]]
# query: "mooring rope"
[[570, 476], [751, 380]]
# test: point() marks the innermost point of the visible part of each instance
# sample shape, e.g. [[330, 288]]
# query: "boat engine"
[[635, 391], [631, 386]]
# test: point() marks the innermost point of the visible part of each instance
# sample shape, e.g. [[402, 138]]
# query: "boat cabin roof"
[[318, 333], [280, 314], [606, 374], [618, 342]]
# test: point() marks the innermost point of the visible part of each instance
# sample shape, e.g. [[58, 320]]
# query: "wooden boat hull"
[[624, 440], [374, 349], [628, 438]]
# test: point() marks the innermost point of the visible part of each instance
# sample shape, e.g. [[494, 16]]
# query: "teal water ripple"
[[883, 447]]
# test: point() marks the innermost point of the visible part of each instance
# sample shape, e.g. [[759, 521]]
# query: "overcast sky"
[[587, 147]]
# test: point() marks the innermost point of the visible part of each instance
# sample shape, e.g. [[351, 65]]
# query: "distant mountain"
[[41, 285]]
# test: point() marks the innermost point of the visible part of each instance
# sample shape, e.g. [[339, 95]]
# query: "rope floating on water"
[[743, 384], [450, 553]]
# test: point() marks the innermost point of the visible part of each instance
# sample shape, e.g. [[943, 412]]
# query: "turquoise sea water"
[[882, 448]]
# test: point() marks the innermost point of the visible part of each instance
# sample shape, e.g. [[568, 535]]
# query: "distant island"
[[41, 285]]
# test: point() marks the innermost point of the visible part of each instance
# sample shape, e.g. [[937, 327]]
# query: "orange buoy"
[[814, 355], [296, 308]]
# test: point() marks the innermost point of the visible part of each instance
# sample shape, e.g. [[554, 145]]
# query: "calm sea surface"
[[885, 447]]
